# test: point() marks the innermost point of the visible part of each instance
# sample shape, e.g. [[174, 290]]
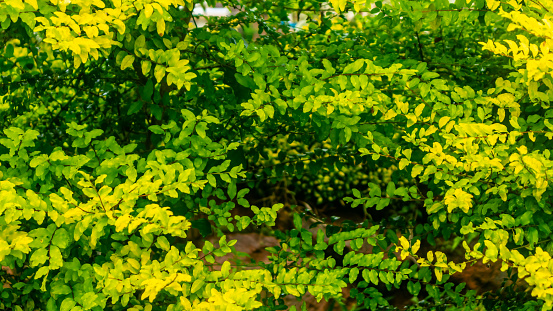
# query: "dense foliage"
[[379, 138]]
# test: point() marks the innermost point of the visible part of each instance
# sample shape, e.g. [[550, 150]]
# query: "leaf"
[[459, 199], [148, 10], [404, 242], [338, 5], [163, 243], [127, 62], [297, 221], [403, 163], [353, 274], [119, 25], [208, 247], [39, 257], [61, 290], [413, 288], [200, 129], [33, 3], [417, 169], [56, 259], [67, 304], [339, 247], [225, 268], [61, 238], [147, 91], [89, 300], [231, 190], [145, 65], [382, 203], [355, 66], [245, 222], [159, 72], [212, 181], [203, 225], [160, 27], [373, 276], [390, 189], [140, 42], [197, 285], [135, 107]]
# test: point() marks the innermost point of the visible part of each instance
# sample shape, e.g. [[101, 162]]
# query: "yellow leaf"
[[439, 273], [119, 25], [430, 256], [329, 109], [17, 4], [148, 10], [33, 3], [84, 57], [404, 243], [185, 303], [161, 27], [146, 66], [443, 121], [99, 3], [459, 199], [94, 53], [76, 60], [159, 72], [501, 114], [127, 62], [415, 247], [158, 8], [336, 5], [390, 114], [419, 110]]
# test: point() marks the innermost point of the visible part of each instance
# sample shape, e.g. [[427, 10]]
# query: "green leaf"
[[197, 285], [231, 190], [245, 222], [140, 42], [366, 275], [297, 221], [61, 238], [42, 271], [89, 300], [353, 274], [203, 226], [135, 107], [61, 290], [390, 189], [200, 129], [147, 91], [225, 268], [320, 246], [39, 257], [212, 180], [339, 247], [208, 247], [382, 203]]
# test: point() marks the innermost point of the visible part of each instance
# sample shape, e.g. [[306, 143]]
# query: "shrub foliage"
[[129, 129]]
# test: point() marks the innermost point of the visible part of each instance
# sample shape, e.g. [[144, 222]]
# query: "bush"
[[381, 138]]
